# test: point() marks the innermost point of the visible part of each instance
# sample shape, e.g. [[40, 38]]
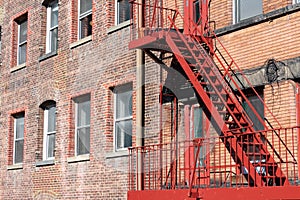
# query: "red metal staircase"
[[220, 93]]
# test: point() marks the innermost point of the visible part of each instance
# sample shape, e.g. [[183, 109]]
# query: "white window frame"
[[78, 100], [81, 16], [119, 120], [296, 1], [46, 133], [117, 11], [19, 139], [235, 12], [21, 44], [49, 28]]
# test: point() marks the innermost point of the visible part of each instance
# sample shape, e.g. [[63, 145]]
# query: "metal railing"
[[170, 165]]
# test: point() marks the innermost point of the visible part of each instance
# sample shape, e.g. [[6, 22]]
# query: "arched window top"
[[47, 2], [48, 104]]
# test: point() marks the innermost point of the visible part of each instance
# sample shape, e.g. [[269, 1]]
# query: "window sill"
[[15, 167], [117, 154], [17, 68], [44, 163], [81, 42], [118, 27], [80, 158], [47, 55]]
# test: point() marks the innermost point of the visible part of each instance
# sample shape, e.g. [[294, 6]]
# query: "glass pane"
[[198, 123], [23, 32], [84, 113], [250, 8], [19, 127], [123, 11], [19, 145], [85, 5], [124, 104], [51, 119], [197, 11], [54, 14], [86, 26], [124, 134], [22, 53], [53, 35], [83, 140], [51, 145], [259, 107]]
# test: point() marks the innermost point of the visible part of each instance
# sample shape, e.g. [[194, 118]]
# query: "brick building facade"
[[68, 83]]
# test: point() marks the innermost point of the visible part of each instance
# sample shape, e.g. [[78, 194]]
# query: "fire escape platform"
[[151, 41], [258, 193]]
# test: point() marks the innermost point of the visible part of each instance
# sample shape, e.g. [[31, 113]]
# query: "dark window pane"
[[124, 104], [54, 14], [53, 35], [51, 145], [249, 8], [123, 11], [83, 113], [86, 26], [22, 53], [85, 5], [198, 123], [197, 11], [23, 32], [51, 119], [83, 141], [124, 134], [19, 127], [19, 145], [259, 107]]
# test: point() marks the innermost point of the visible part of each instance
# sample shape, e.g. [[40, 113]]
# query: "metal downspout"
[[140, 100]]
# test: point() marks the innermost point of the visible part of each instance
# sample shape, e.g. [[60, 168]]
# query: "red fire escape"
[[242, 159]]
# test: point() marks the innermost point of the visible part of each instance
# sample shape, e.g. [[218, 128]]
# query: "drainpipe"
[[297, 99], [140, 100], [298, 121]]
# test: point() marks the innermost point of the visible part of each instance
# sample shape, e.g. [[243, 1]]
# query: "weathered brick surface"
[[95, 68], [92, 68]]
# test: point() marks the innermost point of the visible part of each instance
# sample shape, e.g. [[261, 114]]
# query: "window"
[[259, 107], [122, 11], [85, 18], [123, 117], [247, 8], [198, 131], [197, 12], [52, 27], [22, 42], [296, 1], [82, 124], [49, 132], [18, 138]]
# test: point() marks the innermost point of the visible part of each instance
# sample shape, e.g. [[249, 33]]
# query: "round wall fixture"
[[271, 70]]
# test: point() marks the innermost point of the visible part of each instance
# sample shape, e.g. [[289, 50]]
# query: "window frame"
[[116, 92], [236, 12], [117, 12], [15, 118], [20, 44], [82, 16], [82, 99], [50, 29], [46, 133]]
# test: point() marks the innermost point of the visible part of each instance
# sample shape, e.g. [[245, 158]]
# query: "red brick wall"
[[97, 66], [94, 67]]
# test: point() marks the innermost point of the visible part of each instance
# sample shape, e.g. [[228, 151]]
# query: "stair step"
[[233, 122]]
